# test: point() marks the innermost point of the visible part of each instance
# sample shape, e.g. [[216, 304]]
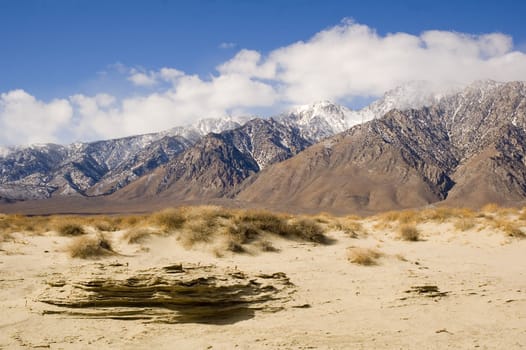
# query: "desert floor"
[[479, 300]]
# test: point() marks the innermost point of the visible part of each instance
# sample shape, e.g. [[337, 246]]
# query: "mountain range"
[[410, 148]]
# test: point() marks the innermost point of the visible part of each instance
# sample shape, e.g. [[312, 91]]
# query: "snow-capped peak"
[[202, 127], [318, 120]]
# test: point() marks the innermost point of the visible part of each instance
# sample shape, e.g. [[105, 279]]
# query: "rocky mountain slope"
[[103, 167], [218, 163], [95, 168], [466, 149]]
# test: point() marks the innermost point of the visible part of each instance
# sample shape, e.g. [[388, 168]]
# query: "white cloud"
[[227, 45], [340, 63], [25, 120], [188, 100], [142, 79], [151, 78], [352, 60]]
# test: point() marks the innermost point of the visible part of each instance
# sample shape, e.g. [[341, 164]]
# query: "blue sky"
[[57, 47], [54, 50]]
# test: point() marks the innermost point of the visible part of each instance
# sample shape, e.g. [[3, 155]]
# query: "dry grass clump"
[[70, 228], [169, 219], [90, 247], [304, 229], [442, 214], [106, 224], [464, 224], [389, 219], [138, 235], [509, 228], [363, 256], [490, 208], [236, 228], [6, 236], [21, 223], [197, 231], [262, 220], [266, 246], [408, 232], [522, 214], [348, 225]]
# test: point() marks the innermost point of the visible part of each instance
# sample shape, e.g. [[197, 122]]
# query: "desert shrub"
[[408, 216], [206, 212], [70, 228], [305, 229], [105, 224], [352, 227], [169, 219], [363, 256], [323, 218], [408, 232], [439, 214], [133, 220], [137, 235], [264, 220], [197, 231], [389, 216], [235, 247], [267, 246], [464, 224], [490, 208], [90, 247], [244, 232], [5, 236], [509, 228]]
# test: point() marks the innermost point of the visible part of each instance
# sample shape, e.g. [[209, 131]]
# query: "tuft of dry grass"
[[90, 247], [305, 229], [106, 225], [509, 228], [138, 235], [408, 232], [197, 231], [363, 256], [348, 225], [464, 224], [70, 228], [20, 223], [266, 246], [490, 208]]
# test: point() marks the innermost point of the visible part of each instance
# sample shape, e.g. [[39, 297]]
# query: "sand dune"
[[458, 285]]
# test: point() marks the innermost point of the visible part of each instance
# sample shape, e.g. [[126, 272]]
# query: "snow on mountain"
[[4, 151], [102, 167], [202, 127], [317, 121], [414, 94], [323, 119]]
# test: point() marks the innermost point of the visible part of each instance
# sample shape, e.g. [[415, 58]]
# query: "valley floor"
[[450, 289]]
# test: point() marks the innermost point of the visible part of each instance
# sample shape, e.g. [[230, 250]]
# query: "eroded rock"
[[171, 294]]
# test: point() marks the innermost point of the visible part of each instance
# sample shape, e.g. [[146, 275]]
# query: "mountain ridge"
[[317, 156]]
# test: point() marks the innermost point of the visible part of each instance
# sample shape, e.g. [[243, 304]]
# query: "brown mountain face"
[[466, 150], [218, 163], [367, 168]]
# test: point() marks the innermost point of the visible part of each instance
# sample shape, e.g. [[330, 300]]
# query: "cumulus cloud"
[[151, 78], [352, 60], [25, 120], [187, 100], [341, 63]]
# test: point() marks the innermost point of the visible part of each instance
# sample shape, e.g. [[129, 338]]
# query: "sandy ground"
[[345, 306]]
